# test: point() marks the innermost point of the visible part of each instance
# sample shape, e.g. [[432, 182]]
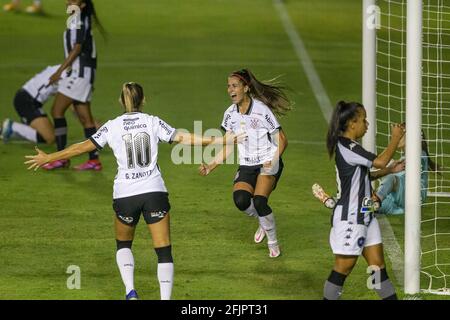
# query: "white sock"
[[24, 131], [165, 278], [125, 262], [251, 211], [268, 224]]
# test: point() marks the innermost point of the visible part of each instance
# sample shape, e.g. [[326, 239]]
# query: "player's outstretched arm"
[[193, 139], [396, 166], [42, 158], [222, 155]]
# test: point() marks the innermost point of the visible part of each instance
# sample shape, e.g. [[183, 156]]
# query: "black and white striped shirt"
[[86, 62], [352, 176]]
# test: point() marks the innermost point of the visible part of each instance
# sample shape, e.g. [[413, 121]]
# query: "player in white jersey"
[[81, 63], [355, 229], [260, 163], [28, 102], [138, 185]]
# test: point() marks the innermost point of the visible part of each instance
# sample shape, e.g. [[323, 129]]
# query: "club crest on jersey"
[[254, 123]]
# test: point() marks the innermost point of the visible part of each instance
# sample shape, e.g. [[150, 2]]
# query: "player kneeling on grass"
[[138, 185], [355, 229]]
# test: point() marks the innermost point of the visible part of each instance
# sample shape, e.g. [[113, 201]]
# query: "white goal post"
[[406, 77]]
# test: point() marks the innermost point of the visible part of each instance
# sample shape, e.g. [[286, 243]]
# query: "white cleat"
[[274, 250], [260, 234]]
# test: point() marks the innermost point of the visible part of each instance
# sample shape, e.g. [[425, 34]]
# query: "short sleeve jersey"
[[134, 138], [38, 86], [353, 165], [259, 123], [80, 32]]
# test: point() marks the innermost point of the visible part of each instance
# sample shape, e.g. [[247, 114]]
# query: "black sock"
[[88, 132], [60, 133]]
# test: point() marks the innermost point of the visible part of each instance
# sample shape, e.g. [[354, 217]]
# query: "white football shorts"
[[77, 88], [347, 238]]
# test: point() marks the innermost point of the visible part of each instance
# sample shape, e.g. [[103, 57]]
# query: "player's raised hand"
[[37, 160], [397, 166], [204, 169], [398, 130]]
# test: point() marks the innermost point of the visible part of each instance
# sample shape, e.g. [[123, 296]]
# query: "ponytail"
[[269, 92], [343, 112], [431, 164], [132, 97], [90, 11]]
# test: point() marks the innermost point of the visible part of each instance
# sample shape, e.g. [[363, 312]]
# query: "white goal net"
[[391, 104]]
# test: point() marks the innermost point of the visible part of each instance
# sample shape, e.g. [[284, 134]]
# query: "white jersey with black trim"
[[38, 86], [134, 139], [352, 176], [259, 123]]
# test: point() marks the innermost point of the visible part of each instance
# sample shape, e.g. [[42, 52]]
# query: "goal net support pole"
[[369, 97], [413, 145]]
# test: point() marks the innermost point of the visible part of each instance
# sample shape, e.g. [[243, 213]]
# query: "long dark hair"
[[270, 93], [431, 164], [90, 10], [343, 112]]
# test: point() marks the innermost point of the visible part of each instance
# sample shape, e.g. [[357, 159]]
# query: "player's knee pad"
[[123, 244], [242, 199], [164, 254], [261, 206]]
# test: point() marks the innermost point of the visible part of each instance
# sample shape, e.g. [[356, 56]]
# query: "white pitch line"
[[393, 249], [303, 56], [389, 240]]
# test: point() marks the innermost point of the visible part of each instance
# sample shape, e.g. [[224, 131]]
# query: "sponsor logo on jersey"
[[269, 121], [133, 126], [352, 145], [253, 160], [165, 127], [130, 120], [225, 122]]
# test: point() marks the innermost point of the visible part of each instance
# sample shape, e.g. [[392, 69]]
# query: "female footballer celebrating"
[[260, 163], [138, 185]]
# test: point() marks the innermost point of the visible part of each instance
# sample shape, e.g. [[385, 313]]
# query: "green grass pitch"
[[181, 52]]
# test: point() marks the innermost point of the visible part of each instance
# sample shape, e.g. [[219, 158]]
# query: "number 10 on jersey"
[[137, 149]]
